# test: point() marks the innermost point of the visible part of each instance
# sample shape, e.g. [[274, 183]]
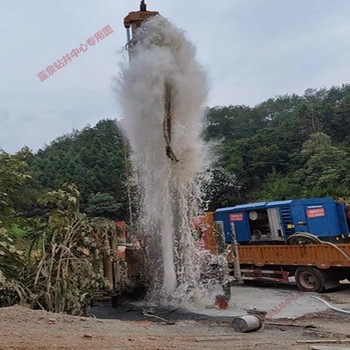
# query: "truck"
[[307, 239]]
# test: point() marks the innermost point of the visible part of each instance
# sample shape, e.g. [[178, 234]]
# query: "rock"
[[52, 321]]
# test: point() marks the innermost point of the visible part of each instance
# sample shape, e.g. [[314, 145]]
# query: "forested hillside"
[[94, 159], [287, 146]]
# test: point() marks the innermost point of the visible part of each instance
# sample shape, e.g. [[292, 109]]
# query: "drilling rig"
[[134, 20], [132, 23]]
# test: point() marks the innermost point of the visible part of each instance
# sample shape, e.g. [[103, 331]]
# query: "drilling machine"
[[132, 22]]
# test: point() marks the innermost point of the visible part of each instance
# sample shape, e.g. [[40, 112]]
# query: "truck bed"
[[318, 255]]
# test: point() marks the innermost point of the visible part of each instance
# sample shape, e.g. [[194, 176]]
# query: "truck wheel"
[[310, 279]]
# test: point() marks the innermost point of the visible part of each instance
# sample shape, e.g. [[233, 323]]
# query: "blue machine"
[[258, 223]]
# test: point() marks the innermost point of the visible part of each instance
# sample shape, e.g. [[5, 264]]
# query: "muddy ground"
[[21, 328]]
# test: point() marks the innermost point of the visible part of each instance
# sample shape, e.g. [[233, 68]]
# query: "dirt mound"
[[25, 329]]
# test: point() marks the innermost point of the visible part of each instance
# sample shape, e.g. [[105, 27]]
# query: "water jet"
[[163, 92]]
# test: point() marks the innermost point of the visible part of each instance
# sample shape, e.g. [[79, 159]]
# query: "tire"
[[310, 279]]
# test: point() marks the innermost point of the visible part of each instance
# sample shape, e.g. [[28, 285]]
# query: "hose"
[[307, 237], [341, 251], [311, 239], [331, 306]]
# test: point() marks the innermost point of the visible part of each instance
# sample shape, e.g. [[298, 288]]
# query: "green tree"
[[103, 205], [279, 187], [14, 173], [262, 146], [232, 122], [93, 159], [326, 170]]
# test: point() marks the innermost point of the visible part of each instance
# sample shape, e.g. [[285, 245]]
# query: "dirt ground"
[[21, 328]]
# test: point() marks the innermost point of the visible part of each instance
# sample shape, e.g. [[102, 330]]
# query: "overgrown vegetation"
[[69, 252], [61, 267], [12, 265]]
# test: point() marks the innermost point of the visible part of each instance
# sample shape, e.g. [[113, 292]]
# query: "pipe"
[[128, 37], [331, 306], [143, 6], [234, 245], [128, 44], [167, 124]]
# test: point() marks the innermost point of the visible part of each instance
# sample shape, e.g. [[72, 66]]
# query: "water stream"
[[170, 194]]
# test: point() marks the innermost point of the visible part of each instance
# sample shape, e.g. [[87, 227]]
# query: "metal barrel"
[[249, 323]]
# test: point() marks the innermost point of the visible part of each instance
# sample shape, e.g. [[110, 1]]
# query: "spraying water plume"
[[163, 94]]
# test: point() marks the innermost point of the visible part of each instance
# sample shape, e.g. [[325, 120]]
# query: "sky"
[[251, 49]]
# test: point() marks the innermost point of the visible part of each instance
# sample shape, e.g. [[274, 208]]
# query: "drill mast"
[[134, 19]]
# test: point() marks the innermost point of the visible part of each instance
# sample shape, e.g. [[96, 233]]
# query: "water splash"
[[169, 191]]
